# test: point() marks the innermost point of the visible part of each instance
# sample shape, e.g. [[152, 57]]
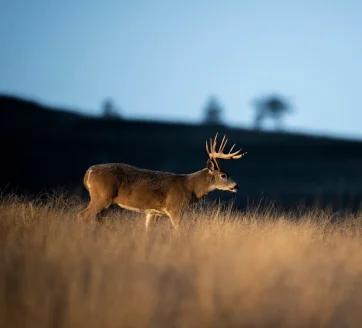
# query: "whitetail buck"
[[156, 193]]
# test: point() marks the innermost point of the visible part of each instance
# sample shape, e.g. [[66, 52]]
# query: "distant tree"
[[110, 110], [274, 107], [213, 112]]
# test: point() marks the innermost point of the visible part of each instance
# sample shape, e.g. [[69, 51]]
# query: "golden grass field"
[[225, 269]]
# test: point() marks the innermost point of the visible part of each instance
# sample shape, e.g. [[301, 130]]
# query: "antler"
[[219, 154]]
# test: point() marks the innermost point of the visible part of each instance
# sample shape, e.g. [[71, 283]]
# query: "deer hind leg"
[[175, 223], [95, 206], [176, 218], [151, 220]]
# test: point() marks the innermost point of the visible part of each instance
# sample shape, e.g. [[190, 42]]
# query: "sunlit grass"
[[226, 268]]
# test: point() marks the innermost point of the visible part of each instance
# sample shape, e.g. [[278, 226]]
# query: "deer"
[[156, 193]]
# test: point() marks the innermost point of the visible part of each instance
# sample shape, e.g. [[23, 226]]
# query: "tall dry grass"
[[226, 269]]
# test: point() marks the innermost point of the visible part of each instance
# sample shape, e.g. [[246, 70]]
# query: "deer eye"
[[223, 176]]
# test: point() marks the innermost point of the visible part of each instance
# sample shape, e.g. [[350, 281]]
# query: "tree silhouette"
[[274, 107], [213, 112], [110, 110]]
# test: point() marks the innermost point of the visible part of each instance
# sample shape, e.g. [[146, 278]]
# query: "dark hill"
[[46, 148]]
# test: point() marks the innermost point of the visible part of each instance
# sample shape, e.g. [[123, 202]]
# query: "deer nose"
[[236, 187]]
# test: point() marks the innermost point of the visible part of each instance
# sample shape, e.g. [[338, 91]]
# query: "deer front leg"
[[151, 219], [176, 218]]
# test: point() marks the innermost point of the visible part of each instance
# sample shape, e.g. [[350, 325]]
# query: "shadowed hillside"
[[46, 148]]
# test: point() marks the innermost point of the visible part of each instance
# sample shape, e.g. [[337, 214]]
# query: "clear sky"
[[163, 59]]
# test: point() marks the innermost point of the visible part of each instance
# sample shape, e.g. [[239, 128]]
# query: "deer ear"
[[211, 165]]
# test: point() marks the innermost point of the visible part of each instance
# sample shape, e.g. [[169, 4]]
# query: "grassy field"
[[226, 269]]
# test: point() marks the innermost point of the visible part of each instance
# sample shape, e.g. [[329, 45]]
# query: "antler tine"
[[239, 156], [207, 148], [211, 151], [231, 148], [235, 153], [223, 144], [214, 144]]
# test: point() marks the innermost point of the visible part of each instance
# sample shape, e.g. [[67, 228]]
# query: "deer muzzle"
[[234, 188]]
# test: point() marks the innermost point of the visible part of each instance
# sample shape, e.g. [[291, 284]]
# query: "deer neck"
[[200, 183]]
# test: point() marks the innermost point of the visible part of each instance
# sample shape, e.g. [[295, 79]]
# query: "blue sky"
[[163, 59]]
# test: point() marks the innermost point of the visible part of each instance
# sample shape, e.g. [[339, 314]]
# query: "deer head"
[[220, 178]]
